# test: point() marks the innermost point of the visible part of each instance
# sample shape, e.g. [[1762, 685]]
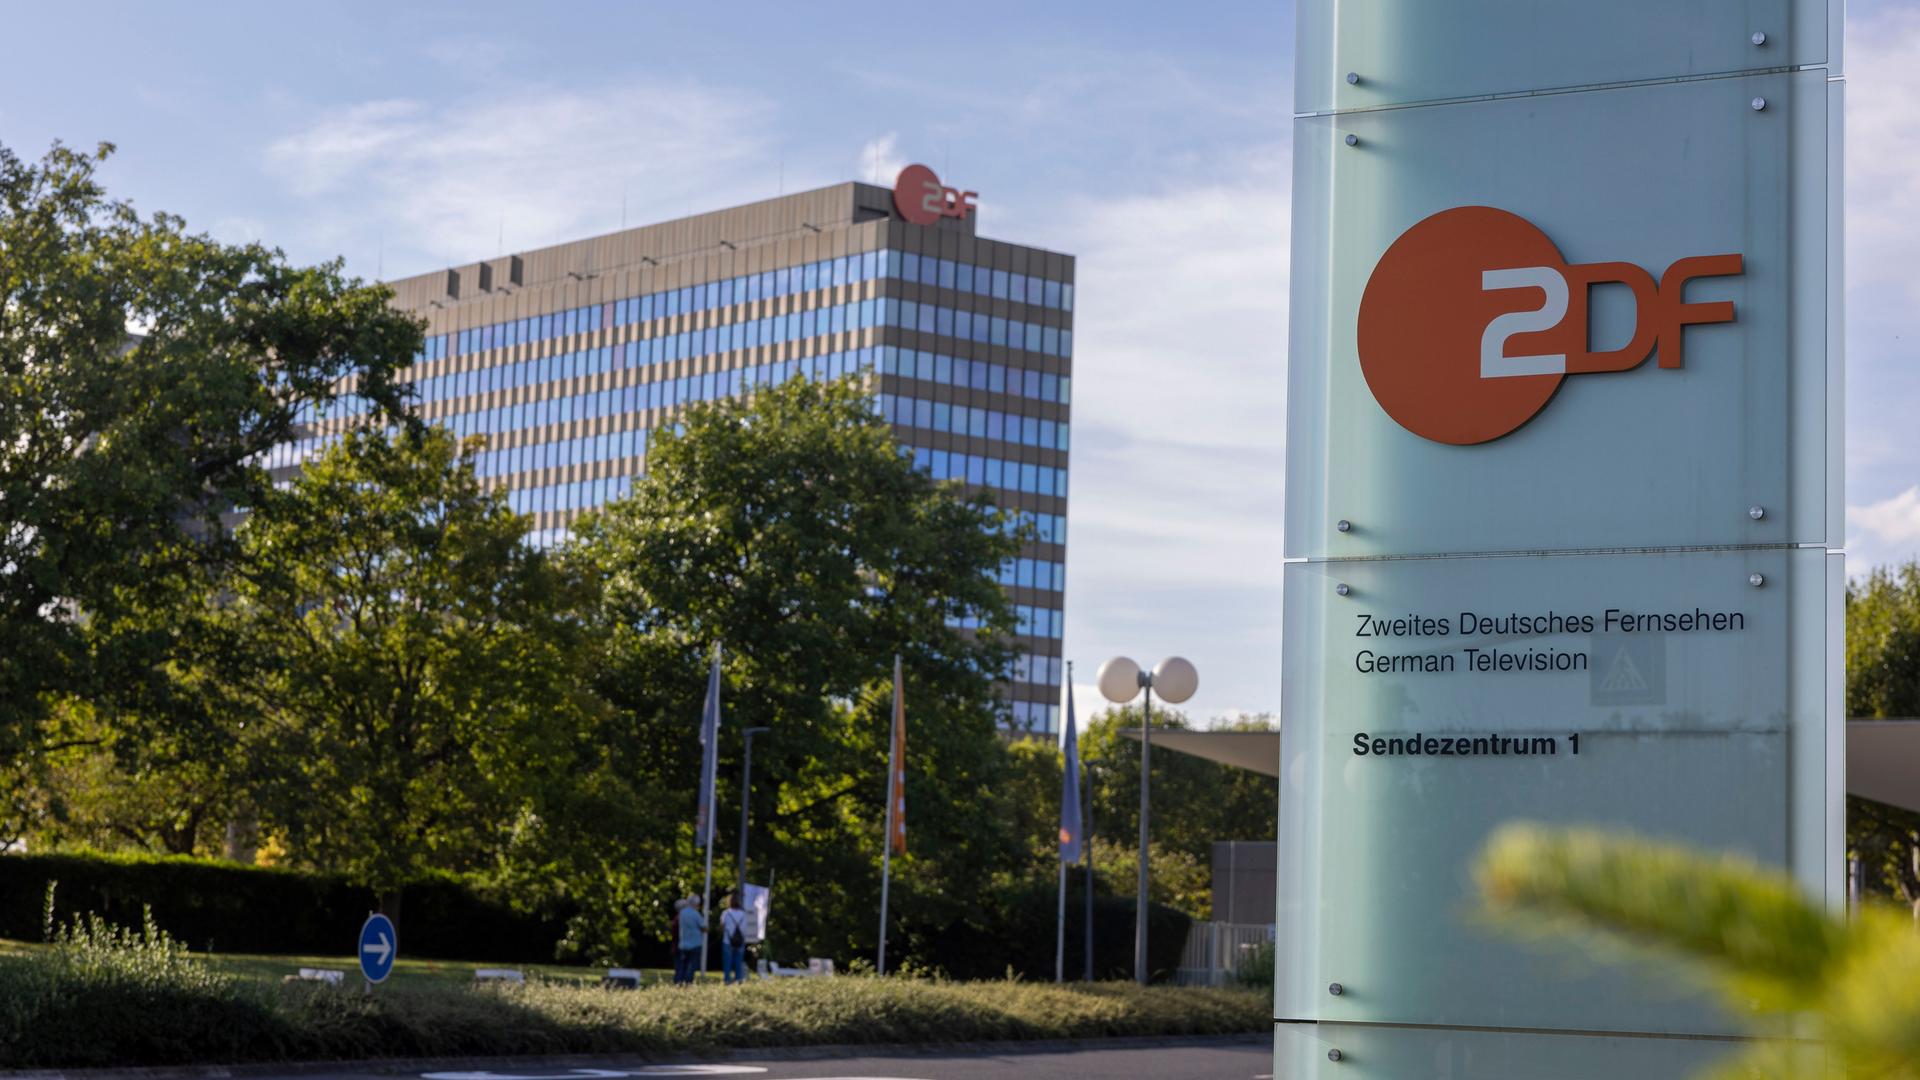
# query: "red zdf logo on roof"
[[922, 199], [1472, 319]]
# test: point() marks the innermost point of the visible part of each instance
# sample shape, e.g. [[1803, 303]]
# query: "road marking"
[[607, 1073]]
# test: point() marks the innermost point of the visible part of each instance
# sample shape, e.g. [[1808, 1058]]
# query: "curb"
[[563, 1061]]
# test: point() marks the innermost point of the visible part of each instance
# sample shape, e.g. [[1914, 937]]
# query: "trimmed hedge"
[[231, 908], [1018, 932]]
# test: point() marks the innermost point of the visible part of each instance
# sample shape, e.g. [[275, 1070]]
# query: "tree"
[[413, 661], [1195, 802], [1832, 996], [1883, 643], [165, 785], [121, 448], [788, 529], [1883, 680], [1029, 804]]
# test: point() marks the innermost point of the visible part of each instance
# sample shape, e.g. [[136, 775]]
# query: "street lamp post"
[[746, 800], [1120, 679]]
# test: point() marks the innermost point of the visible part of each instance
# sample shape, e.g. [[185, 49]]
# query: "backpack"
[[737, 937]]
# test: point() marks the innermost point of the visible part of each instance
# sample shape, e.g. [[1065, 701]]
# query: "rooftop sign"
[[921, 198]]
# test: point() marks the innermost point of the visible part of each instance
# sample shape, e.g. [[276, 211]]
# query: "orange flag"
[[897, 768]]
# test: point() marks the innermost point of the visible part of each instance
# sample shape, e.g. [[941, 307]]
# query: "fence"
[[1215, 950]]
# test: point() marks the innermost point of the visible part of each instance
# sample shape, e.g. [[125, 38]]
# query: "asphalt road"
[[1195, 1060]]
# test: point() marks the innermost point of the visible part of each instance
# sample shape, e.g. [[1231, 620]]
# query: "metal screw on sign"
[[1353, 140], [1759, 37], [1343, 588], [1336, 989], [1756, 512], [1353, 78], [1759, 103], [1756, 580], [1334, 1054]]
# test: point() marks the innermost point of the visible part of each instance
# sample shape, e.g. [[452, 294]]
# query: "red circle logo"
[[1427, 313], [919, 196]]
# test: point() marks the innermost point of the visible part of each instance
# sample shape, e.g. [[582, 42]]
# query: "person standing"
[[733, 940], [693, 933]]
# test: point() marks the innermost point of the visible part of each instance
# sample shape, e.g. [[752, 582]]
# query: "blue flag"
[[709, 742], [1070, 815]]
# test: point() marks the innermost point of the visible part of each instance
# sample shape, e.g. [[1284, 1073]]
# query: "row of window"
[[1029, 620], [975, 374], [1047, 528], [976, 326], [508, 461], [826, 273], [1036, 716], [773, 330], [977, 422], [1032, 668], [1033, 574], [979, 280], [1039, 621], [580, 495], [982, 471]]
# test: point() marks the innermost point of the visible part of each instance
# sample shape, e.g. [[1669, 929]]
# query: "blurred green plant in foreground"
[[1829, 997]]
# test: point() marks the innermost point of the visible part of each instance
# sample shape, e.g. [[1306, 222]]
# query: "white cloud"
[[1883, 149], [880, 159], [1180, 402], [1883, 230], [1885, 531], [531, 167]]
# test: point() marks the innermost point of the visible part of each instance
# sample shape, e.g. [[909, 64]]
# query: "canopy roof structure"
[[1883, 756]]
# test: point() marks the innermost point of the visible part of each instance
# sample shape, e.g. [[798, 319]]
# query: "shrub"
[[1015, 930], [1256, 968], [103, 994], [227, 907]]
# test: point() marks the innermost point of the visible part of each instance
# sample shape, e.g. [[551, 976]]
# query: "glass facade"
[[969, 362]]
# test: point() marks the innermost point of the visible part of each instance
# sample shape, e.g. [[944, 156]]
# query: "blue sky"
[[1149, 139]]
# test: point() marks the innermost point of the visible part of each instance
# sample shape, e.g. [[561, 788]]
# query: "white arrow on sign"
[[382, 950]]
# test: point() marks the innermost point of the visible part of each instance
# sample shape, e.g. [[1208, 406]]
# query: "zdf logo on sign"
[[922, 199], [1472, 318]]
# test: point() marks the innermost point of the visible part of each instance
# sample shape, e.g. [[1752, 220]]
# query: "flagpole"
[[1060, 942], [1070, 819], [1086, 864], [711, 762], [886, 845]]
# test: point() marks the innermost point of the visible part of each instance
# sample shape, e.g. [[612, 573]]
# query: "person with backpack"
[[733, 940]]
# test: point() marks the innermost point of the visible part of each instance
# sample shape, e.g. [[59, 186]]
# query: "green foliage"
[[1256, 968], [68, 1001], [1013, 929], [1853, 986], [788, 529], [1883, 643], [414, 663], [119, 449], [1883, 680], [1195, 802]]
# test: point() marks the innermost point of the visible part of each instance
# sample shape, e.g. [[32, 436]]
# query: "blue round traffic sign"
[[379, 947]]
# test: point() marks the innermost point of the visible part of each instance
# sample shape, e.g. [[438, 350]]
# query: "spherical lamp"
[[1119, 680], [1175, 680]]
